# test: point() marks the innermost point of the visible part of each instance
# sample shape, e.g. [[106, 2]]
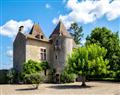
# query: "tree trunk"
[[45, 72], [83, 81], [37, 85]]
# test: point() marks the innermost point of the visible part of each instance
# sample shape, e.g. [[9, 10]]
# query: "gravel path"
[[93, 88]]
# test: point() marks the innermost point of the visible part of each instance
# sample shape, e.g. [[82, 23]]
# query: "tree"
[[32, 73], [31, 67], [45, 66], [76, 32], [10, 76], [34, 78], [105, 38], [88, 60], [66, 76]]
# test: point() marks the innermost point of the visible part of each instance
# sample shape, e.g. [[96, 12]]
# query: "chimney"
[[21, 28]]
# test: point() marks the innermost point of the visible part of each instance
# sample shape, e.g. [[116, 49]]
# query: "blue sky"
[[89, 14]]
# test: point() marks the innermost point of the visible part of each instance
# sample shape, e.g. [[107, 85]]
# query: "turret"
[[62, 44]]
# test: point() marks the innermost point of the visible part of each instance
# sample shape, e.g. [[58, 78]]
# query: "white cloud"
[[88, 11], [11, 27], [9, 53], [47, 6]]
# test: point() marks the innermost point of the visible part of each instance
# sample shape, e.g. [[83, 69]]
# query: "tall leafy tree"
[[106, 38], [76, 32], [88, 60], [32, 72]]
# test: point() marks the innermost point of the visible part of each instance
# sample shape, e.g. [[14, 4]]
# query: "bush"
[[10, 76], [111, 74], [32, 72], [31, 67], [117, 74], [67, 78], [51, 75], [34, 78]]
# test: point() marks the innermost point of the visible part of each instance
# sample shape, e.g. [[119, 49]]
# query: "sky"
[[87, 13]]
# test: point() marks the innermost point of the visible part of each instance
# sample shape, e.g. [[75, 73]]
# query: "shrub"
[[32, 72], [67, 78], [10, 76], [35, 79], [44, 66], [51, 75], [118, 74]]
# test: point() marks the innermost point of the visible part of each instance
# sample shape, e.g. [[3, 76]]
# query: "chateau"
[[37, 47]]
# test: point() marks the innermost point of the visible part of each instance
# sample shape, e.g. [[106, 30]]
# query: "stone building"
[[37, 47]]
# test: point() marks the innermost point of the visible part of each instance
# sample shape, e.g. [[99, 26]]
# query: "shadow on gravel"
[[69, 87], [25, 89]]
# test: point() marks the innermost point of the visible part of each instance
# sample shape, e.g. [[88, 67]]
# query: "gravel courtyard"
[[93, 88]]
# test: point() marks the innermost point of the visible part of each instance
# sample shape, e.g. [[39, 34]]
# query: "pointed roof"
[[60, 29], [36, 33], [36, 30]]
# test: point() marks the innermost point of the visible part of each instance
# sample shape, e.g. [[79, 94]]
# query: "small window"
[[41, 36], [37, 36], [56, 56], [57, 42], [43, 54]]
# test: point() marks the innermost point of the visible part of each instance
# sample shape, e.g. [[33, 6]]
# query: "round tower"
[[62, 45]]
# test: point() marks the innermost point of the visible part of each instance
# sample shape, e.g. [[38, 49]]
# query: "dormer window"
[[41, 36], [37, 36]]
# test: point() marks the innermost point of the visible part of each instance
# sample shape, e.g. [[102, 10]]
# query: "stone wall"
[[59, 56], [33, 49], [19, 51]]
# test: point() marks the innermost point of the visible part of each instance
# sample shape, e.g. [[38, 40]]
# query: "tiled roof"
[[60, 30]]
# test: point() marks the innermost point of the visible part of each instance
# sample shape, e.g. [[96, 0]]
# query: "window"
[[56, 56], [43, 54], [41, 36], [37, 36], [57, 42]]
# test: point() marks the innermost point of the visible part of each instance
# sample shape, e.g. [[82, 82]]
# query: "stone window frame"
[[43, 54]]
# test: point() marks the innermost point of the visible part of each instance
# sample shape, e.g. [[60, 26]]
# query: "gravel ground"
[[93, 88]]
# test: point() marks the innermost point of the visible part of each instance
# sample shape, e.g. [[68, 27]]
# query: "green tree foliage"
[[67, 76], [45, 66], [31, 67], [34, 78], [105, 38], [76, 32], [10, 76], [32, 72], [88, 60]]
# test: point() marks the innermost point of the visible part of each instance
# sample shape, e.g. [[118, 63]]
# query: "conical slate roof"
[[60, 30]]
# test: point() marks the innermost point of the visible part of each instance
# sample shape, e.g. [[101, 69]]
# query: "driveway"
[[93, 88]]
